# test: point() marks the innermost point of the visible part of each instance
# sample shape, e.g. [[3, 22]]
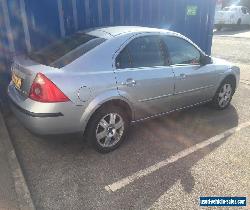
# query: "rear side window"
[[66, 50], [141, 52], [181, 51]]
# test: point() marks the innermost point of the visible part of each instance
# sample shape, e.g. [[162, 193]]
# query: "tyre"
[[239, 22], [224, 95], [107, 128]]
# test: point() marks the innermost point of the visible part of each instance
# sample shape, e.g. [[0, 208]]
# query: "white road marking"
[[144, 172]]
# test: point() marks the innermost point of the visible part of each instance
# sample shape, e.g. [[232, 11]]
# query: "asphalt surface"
[[63, 173], [8, 197], [232, 49]]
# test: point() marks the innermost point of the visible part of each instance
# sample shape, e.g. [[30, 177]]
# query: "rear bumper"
[[33, 114], [51, 119]]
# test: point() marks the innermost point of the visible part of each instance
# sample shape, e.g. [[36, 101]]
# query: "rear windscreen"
[[66, 50]]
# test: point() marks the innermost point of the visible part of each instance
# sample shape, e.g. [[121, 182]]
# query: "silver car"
[[101, 80]]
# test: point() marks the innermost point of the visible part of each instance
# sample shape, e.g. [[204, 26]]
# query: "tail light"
[[43, 90]]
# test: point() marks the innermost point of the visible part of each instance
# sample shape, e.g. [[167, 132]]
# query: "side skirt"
[[169, 112]]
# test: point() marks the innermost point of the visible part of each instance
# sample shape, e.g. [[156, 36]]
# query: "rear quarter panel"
[[89, 75], [90, 81]]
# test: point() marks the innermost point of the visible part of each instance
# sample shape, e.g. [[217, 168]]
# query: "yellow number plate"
[[16, 80]]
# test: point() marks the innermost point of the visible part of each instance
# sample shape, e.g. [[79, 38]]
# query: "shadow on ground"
[[63, 173]]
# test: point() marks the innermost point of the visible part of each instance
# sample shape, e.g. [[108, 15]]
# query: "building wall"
[[27, 25]]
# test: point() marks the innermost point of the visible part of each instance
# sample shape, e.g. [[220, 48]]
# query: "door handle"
[[129, 83]]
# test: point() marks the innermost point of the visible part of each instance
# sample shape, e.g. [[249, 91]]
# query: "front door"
[[193, 82], [143, 77]]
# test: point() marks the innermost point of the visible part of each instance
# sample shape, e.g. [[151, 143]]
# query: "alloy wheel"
[[225, 95], [109, 130]]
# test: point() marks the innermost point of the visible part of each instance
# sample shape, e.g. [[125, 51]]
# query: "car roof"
[[114, 31]]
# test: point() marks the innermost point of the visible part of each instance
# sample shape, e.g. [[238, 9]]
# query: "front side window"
[[141, 52], [181, 51]]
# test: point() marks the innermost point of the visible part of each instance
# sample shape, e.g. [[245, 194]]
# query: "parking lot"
[[166, 163]]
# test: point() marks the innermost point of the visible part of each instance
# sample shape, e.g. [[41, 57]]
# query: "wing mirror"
[[205, 59]]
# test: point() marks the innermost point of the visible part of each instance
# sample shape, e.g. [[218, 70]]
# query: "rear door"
[[193, 82], [143, 76]]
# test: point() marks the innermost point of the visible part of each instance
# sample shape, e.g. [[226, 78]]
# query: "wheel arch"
[[230, 77], [102, 101], [118, 103]]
